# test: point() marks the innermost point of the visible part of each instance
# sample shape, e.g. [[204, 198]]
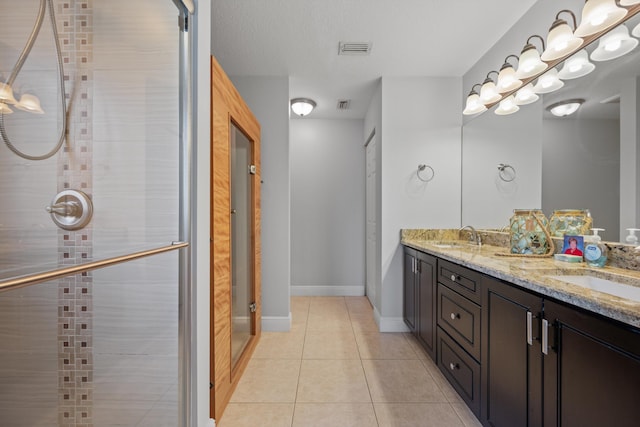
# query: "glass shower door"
[[241, 243]]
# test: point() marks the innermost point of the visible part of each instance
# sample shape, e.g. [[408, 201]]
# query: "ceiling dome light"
[[6, 94], [598, 15], [526, 95], [576, 66], [507, 80], [548, 82], [530, 64], [488, 92], [560, 40], [507, 106], [302, 106], [29, 103], [614, 44], [474, 105], [565, 108]]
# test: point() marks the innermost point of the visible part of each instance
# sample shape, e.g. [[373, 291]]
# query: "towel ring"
[[421, 168], [506, 176]]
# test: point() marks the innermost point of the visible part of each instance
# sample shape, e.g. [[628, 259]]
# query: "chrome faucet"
[[474, 236]]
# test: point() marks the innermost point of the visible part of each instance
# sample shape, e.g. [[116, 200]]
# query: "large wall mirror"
[[586, 160]]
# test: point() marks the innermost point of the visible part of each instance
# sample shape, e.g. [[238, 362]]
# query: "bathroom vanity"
[[522, 340]]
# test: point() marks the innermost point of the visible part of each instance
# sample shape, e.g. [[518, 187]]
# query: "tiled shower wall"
[[98, 348]]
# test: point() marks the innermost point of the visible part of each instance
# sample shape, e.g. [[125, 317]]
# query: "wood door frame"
[[227, 108]]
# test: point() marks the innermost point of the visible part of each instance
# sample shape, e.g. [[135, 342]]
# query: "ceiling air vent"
[[354, 48], [343, 104]]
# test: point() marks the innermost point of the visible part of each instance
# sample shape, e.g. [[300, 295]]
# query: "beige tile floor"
[[335, 369]]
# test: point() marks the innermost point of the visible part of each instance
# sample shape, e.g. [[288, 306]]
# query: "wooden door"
[[426, 321], [409, 290], [231, 120]]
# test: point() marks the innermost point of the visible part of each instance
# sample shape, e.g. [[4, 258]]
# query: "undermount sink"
[[452, 244], [602, 285]]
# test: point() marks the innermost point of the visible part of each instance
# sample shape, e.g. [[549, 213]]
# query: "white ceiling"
[[299, 38]]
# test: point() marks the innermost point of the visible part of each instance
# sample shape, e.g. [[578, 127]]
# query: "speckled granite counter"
[[532, 273]]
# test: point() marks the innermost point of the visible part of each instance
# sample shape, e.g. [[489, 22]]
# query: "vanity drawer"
[[462, 372], [460, 279], [460, 318]]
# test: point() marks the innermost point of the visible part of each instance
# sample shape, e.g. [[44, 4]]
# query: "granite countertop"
[[532, 273]]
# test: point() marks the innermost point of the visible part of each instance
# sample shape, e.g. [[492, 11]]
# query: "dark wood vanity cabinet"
[[419, 294], [511, 356], [591, 370]]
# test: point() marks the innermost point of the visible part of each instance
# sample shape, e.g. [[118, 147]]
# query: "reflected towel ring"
[[421, 168], [506, 172]]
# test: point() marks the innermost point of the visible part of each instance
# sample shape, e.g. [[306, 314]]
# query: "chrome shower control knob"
[[71, 209]]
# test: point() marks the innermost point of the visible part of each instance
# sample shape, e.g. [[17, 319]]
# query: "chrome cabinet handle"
[[529, 328], [453, 277], [545, 336], [454, 316]]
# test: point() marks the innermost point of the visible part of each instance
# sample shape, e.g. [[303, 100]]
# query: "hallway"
[[335, 369]]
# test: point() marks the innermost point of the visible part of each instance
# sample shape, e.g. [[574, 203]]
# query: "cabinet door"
[[410, 289], [426, 329], [591, 370], [511, 356]]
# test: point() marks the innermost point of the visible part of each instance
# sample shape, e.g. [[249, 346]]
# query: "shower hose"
[[18, 67]]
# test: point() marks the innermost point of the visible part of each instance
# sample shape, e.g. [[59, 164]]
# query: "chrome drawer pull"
[[453, 366], [454, 316], [529, 328], [453, 277], [545, 336]]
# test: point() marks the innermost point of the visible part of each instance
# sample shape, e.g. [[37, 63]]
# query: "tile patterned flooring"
[[335, 369]]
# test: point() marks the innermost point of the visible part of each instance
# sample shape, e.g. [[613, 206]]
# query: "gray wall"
[[268, 99], [327, 207], [581, 158]]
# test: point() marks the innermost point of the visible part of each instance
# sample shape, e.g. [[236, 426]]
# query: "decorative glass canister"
[[528, 232], [570, 221]]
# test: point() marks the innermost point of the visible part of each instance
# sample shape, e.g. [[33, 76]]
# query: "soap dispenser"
[[632, 239], [595, 252]]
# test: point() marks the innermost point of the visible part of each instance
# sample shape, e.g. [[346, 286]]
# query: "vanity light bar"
[[587, 32]]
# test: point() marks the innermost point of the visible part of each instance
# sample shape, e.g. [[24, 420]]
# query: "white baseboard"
[[389, 324], [327, 291], [276, 323]]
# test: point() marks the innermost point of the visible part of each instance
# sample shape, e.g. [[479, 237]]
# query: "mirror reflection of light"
[[613, 45]]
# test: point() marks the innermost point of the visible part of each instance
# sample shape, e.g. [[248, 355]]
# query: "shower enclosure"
[[95, 314]]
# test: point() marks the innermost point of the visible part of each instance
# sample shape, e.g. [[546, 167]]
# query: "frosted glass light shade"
[[4, 109], [474, 105], [526, 95], [565, 108], [576, 66], [507, 106], [560, 41], [6, 94], [507, 80], [530, 63], [489, 92], [614, 44], [636, 31], [302, 106], [548, 82], [629, 2], [598, 15], [30, 103]]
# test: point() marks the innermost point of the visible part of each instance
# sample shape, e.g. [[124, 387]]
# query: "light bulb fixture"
[[636, 31], [507, 106], [598, 15], [548, 82], [614, 44], [488, 92], [577, 65], [530, 64], [507, 80], [302, 106], [6, 94], [565, 108], [526, 95], [474, 105], [29, 103], [629, 2], [560, 40], [4, 109]]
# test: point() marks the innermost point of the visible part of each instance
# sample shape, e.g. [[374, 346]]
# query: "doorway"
[[235, 239]]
